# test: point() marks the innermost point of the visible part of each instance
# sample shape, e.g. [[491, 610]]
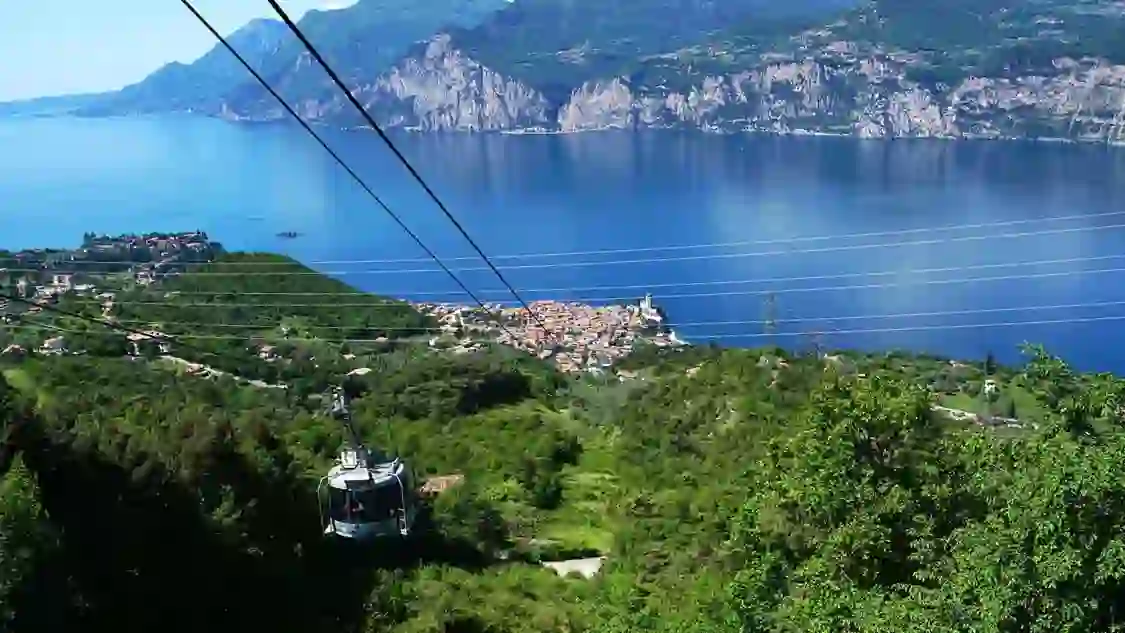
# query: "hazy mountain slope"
[[50, 106], [177, 86], [561, 43], [361, 40]]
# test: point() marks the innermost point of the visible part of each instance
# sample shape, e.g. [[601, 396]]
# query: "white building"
[[12, 350], [649, 312], [63, 281], [53, 346]]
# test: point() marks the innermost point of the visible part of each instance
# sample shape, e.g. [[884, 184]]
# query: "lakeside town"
[[576, 337]]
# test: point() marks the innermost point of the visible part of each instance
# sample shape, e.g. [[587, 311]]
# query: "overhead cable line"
[[268, 326], [682, 284], [807, 251], [696, 324], [340, 161], [925, 328], [648, 249], [256, 305], [917, 328], [179, 338], [166, 338], [390, 145], [659, 260], [700, 295]]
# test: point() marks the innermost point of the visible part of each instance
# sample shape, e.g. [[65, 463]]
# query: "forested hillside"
[[555, 47], [725, 490], [730, 490]]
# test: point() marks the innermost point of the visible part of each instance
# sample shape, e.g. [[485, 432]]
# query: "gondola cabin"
[[363, 500]]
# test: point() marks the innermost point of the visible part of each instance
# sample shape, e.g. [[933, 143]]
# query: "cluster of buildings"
[[53, 346], [41, 276], [575, 336], [43, 273], [153, 247], [52, 286]]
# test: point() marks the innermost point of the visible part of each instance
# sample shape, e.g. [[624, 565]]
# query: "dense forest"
[[728, 490]]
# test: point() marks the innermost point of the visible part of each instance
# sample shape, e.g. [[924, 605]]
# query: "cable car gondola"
[[365, 496]]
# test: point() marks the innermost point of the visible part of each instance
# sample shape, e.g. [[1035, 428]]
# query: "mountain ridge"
[[1001, 69]]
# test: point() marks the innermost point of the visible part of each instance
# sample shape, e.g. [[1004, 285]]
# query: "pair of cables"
[[532, 315]]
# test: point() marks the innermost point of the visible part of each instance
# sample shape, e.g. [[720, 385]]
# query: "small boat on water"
[[289, 234]]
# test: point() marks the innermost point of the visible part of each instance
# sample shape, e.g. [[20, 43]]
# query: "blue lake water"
[[852, 238]]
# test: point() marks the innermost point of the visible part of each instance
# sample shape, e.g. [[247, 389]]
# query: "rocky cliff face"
[[444, 89], [844, 90], [441, 89]]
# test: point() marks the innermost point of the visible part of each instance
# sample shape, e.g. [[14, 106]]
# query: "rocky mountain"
[[360, 42], [51, 106], [529, 54], [890, 68], [883, 68]]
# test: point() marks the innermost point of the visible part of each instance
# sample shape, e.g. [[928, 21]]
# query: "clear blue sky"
[[51, 47]]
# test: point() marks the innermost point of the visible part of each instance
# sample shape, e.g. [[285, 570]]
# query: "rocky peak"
[[439, 46]]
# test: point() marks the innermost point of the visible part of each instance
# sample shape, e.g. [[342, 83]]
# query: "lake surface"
[[952, 248]]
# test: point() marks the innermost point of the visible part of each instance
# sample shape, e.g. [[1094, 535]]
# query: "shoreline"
[[717, 131], [535, 131]]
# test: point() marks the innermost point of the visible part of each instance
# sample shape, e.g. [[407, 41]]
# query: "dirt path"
[[207, 370]]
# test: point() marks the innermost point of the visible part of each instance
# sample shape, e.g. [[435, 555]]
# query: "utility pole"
[[770, 320], [812, 343], [817, 340]]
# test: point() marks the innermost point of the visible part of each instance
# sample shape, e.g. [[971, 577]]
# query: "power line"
[[647, 249], [372, 304], [120, 328], [910, 315], [685, 284], [268, 326], [926, 282], [813, 238], [340, 161], [691, 324], [700, 295], [371, 121], [810, 251], [920, 328], [258, 305], [957, 326], [178, 338], [658, 260]]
